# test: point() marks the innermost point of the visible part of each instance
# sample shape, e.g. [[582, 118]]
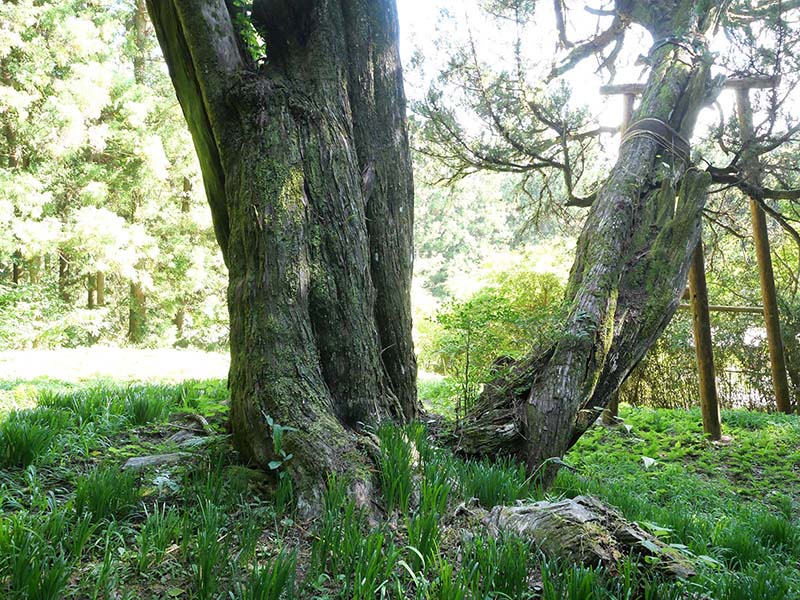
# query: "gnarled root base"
[[496, 425]]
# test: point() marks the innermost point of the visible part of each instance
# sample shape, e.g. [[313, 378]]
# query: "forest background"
[[106, 238]]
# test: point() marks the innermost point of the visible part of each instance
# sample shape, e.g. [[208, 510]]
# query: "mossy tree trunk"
[[306, 168], [631, 263]]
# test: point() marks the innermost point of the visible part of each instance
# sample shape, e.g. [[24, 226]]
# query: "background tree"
[[633, 253], [89, 143]]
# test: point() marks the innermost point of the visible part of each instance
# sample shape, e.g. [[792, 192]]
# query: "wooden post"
[[627, 112], [709, 405], [752, 170]]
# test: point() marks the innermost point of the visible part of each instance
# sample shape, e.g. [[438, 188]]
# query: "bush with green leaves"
[[518, 309]]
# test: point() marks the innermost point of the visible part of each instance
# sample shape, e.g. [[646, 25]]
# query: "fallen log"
[[584, 530]]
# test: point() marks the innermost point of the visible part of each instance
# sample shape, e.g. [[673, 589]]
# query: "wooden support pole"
[[627, 112], [703, 347], [752, 170]]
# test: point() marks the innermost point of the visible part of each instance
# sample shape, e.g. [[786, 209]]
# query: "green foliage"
[[338, 538], [106, 492], [208, 551], [144, 406], [372, 567], [272, 582], [98, 175], [396, 467], [161, 528], [497, 568], [247, 32], [518, 309], [714, 502], [448, 584], [423, 527], [24, 439], [501, 482]]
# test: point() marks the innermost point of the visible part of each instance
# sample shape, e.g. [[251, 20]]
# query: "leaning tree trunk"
[[630, 268], [306, 168]]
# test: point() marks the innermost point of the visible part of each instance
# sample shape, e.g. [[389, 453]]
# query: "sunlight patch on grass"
[[74, 365]]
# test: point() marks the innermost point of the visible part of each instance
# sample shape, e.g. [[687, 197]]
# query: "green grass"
[[73, 524], [27, 436], [106, 493], [396, 467]]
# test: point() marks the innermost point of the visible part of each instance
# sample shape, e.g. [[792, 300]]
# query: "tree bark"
[[16, 268], [630, 270], [309, 245], [100, 281], [63, 277], [137, 314]]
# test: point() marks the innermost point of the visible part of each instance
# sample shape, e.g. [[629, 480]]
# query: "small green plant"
[[84, 406], [423, 527], [272, 582], [282, 457], [105, 576], [249, 527], [503, 482], [80, 532], [106, 492], [396, 467], [757, 581], [145, 405], [26, 436], [448, 584], [161, 528], [338, 535], [372, 568], [775, 531], [33, 562], [208, 551], [498, 567]]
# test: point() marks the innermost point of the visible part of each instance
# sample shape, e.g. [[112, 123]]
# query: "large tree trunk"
[[630, 269], [319, 259]]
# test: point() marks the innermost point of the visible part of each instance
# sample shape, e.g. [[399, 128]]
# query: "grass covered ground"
[[74, 525]]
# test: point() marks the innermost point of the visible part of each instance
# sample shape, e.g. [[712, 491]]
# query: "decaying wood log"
[[585, 531], [156, 460]]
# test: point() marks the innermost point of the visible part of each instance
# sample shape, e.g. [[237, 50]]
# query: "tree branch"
[[614, 33], [202, 53]]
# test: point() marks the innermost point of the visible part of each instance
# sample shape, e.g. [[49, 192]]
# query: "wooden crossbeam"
[[724, 308], [734, 83]]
